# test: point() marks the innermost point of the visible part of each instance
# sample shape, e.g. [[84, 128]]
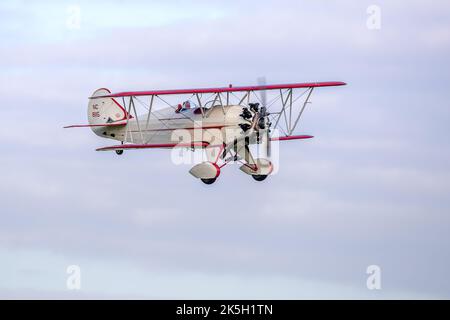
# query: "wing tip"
[[298, 137]]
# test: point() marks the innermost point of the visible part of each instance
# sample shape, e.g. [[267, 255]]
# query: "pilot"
[[187, 105]]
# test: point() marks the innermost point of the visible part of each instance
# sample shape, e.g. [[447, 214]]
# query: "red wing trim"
[[224, 89], [291, 138], [154, 146], [113, 124]]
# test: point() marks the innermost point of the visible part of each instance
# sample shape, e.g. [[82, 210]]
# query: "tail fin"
[[104, 110]]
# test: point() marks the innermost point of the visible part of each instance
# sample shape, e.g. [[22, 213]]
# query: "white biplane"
[[222, 121]]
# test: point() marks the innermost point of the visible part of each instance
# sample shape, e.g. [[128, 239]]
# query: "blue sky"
[[372, 187]]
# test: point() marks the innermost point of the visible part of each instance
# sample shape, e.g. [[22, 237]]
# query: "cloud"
[[369, 188]]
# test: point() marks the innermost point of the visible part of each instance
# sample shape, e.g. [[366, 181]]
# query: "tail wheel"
[[119, 152], [259, 177], [209, 181]]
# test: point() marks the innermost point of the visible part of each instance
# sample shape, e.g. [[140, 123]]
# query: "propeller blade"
[[262, 82], [264, 113]]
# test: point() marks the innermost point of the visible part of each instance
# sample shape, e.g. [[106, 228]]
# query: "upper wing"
[[223, 89]]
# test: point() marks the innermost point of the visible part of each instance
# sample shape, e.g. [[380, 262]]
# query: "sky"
[[371, 188]]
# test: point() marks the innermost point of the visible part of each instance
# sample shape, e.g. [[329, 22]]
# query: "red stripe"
[[217, 169], [152, 146], [224, 89], [291, 138], [125, 113], [118, 104]]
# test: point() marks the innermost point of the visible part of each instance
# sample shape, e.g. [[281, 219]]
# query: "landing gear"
[[209, 181], [259, 177], [206, 171], [119, 152]]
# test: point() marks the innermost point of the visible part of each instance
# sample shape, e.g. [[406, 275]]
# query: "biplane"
[[224, 122]]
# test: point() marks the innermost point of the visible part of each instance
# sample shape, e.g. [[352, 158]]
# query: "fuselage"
[[215, 125]]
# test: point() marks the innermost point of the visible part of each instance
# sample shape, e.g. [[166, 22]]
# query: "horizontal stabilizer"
[[155, 146], [112, 124]]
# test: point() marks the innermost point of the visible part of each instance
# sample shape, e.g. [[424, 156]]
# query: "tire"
[[208, 181], [119, 152], [259, 177]]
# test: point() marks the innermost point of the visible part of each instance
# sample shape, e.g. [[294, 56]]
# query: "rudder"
[[104, 110]]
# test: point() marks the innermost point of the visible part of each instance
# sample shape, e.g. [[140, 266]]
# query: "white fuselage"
[[216, 126]]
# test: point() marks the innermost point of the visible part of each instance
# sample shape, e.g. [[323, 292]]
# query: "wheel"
[[259, 177], [119, 152], [208, 181]]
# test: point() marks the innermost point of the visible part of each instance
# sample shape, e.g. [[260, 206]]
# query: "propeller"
[[259, 118], [263, 120]]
